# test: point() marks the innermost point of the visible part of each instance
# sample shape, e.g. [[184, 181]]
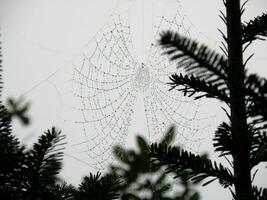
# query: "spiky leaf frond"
[[259, 193], [59, 192], [97, 187], [44, 162], [223, 139], [258, 149], [255, 29], [9, 143], [120, 153], [143, 146], [11, 159], [256, 94], [191, 85], [138, 178], [19, 109], [169, 136], [257, 112], [223, 142], [188, 165], [132, 163], [195, 59], [256, 86]]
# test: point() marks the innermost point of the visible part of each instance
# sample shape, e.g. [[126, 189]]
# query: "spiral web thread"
[[109, 79]]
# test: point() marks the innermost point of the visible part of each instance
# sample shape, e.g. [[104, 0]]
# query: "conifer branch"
[[99, 187], [222, 141], [192, 167], [255, 29], [195, 59], [192, 85], [258, 151], [259, 193]]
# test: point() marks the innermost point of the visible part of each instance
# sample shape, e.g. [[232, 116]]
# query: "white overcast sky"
[[40, 37]]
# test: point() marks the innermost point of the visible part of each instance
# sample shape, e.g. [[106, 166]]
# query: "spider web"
[[108, 80]]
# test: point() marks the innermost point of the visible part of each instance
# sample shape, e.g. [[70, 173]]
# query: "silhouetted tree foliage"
[[19, 109], [142, 182], [44, 163], [11, 159], [98, 187], [243, 138], [29, 174]]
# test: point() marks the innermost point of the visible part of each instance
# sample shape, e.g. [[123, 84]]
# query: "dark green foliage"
[[255, 29], [223, 141], [188, 165], [138, 162], [192, 85], [208, 74], [168, 137], [195, 59], [135, 166], [259, 193], [11, 153], [44, 162], [97, 187], [11, 159], [30, 174], [256, 90], [59, 192], [141, 182], [206, 70], [19, 110], [9, 144], [258, 150], [189, 193]]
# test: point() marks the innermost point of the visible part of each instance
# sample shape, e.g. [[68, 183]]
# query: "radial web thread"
[[108, 80]]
